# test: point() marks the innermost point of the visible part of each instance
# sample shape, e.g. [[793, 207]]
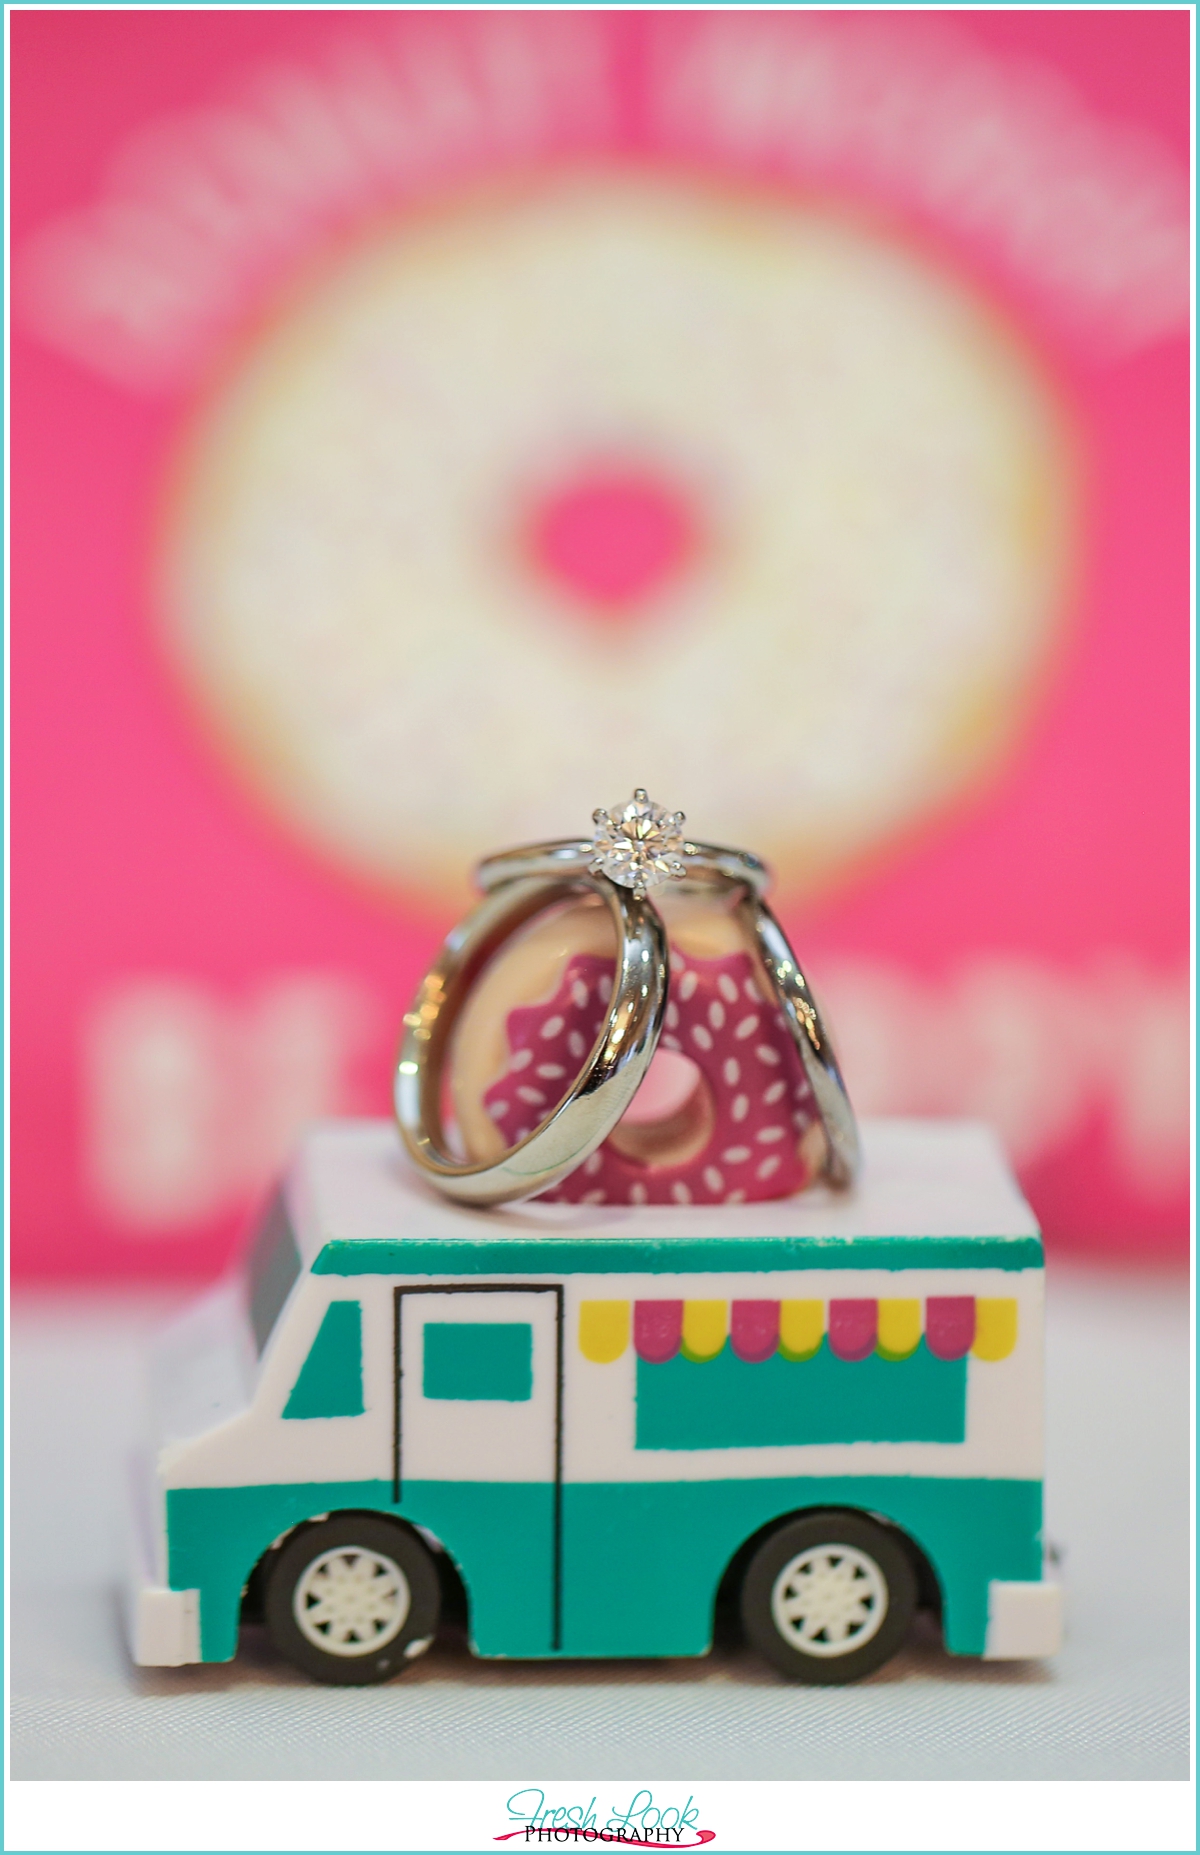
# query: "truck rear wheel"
[[829, 1597], [352, 1599]]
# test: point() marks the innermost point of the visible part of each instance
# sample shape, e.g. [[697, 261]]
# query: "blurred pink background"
[[197, 967]]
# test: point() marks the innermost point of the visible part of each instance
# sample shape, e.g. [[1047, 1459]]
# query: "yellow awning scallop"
[[899, 1332], [603, 1330], [705, 1324], [995, 1328], [801, 1328]]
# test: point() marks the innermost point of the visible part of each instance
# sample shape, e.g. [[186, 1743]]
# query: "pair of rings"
[[635, 848]]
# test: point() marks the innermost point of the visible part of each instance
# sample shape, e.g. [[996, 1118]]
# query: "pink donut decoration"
[[750, 1128]]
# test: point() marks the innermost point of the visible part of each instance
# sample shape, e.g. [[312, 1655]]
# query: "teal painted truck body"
[[641, 1562], [593, 1419]]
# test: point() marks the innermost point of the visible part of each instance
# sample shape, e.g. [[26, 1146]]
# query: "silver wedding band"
[[518, 884], [604, 1087], [804, 1021]]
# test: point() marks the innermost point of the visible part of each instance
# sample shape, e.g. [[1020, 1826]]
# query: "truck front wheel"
[[829, 1597], [351, 1599]]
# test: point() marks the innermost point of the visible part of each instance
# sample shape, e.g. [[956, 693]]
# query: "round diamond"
[[638, 844]]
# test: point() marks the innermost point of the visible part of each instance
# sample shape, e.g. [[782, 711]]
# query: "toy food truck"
[[600, 1417]]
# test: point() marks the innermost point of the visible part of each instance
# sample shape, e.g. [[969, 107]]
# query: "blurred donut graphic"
[[608, 480]]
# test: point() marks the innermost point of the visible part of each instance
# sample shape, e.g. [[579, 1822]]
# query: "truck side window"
[[471, 1359], [272, 1268], [330, 1382]]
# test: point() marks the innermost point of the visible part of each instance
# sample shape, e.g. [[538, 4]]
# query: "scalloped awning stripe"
[[857, 1327]]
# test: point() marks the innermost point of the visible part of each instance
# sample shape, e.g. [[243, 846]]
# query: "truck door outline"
[[493, 1288]]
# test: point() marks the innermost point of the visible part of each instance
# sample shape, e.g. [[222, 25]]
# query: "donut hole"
[[612, 538], [671, 1118]]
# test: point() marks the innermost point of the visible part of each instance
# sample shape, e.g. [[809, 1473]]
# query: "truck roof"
[[933, 1194]]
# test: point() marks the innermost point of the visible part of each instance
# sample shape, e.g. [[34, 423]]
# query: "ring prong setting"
[[638, 844]]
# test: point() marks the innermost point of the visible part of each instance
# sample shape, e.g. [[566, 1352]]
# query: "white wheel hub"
[[829, 1600], [351, 1601]]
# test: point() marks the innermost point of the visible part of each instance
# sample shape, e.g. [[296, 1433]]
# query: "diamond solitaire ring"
[[638, 845], [635, 849]]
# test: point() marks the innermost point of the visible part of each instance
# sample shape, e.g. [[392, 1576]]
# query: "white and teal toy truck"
[[830, 1404]]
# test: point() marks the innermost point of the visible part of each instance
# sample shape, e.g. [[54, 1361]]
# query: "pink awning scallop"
[[754, 1330], [657, 1330], [852, 1328], [949, 1325]]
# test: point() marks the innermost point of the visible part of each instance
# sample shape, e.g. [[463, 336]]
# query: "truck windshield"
[[272, 1267]]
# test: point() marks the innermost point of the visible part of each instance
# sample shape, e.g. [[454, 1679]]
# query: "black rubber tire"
[[803, 1534], [371, 1533]]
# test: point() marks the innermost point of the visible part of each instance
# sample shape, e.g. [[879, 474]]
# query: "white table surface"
[[1113, 1705]]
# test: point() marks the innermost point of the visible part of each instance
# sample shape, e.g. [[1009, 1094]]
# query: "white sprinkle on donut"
[[534, 1097], [592, 1164], [751, 990], [747, 1027], [769, 1134], [688, 984], [592, 1198], [672, 1043], [680, 1192], [769, 1166], [553, 1072], [520, 1059], [520, 1135], [552, 1027], [769, 1095], [716, 1015], [637, 1194], [727, 988], [579, 994], [498, 1109], [701, 1037], [713, 1179], [735, 1198], [732, 1071], [734, 1155], [604, 992], [672, 1015], [741, 1107], [764, 1053], [576, 1044]]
